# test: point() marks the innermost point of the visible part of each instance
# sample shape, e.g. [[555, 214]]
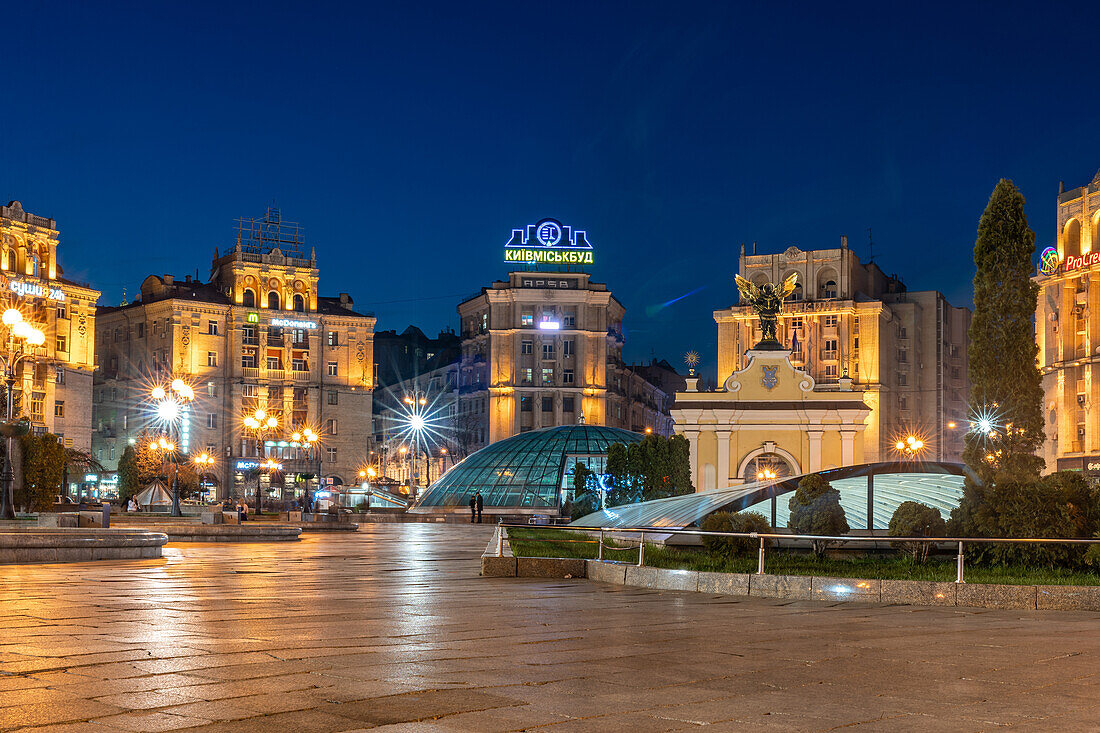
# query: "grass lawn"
[[564, 543]]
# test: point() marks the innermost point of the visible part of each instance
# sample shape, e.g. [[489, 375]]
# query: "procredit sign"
[[1074, 262]]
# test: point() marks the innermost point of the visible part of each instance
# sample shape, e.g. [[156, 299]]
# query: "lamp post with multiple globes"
[[204, 461], [21, 335], [312, 442], [170, 403], [258, 423]]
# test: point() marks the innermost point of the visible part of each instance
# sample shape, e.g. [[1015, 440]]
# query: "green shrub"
[[913, 519], [740, 522], [815, 509]]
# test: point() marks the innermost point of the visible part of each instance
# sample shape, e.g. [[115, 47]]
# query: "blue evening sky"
[[410, 138]]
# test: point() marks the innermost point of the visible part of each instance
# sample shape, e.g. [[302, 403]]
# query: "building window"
[[332, 369], [829, 352], [59, 408], [548, 350], [567, 376], [38, 404], [330, 426], [250, 390], [548, 375], [248, 360], [249, 336], [298, 336], [211, 328], [567, 347], [298, 365], [954, 372], [274, 363], [211, 358], [528, 375], [332, 454], [527, 318], [59, 376], [569, 320], [547, 404], [273, 300], [902, 380], [211, 420], [903, 356], [299, 304], [831, 321], [248, 300], [830, 371], [333, 397], [527, 346], [211, 389], [567, 404], [828, 290], [141, 330], [525, 403], [333, 338]]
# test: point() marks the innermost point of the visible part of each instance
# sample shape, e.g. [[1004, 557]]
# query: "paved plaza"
[[392, 629]]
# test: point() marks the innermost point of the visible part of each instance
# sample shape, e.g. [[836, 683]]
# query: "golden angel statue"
[[767, 301]]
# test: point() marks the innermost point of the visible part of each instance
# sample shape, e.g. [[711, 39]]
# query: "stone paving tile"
[[393, 629]]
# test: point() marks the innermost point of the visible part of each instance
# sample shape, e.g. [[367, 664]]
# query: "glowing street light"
[[910, 447], [168, 403], [204, 461], [766, 475], [22, 339], [258, 423]]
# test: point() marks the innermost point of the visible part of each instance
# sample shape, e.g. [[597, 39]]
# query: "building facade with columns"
[[904, 350], [256, 335], [1068, 336], [770, 419], [53, 386]]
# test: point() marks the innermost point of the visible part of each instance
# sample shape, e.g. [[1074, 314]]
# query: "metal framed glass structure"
[[525, 471]]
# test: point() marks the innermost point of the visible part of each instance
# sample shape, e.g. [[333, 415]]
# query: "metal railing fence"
[[638, 534]]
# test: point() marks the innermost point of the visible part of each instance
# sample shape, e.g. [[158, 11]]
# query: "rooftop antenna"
[[754, 247], [871, 245], [124, 297]]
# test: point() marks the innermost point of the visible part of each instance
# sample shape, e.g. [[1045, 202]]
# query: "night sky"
[[409, 140]]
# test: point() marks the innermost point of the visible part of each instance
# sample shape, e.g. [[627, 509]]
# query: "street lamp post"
[[20, 335], [170, 403], [417, 400], [258, 423], [203, 461], [312, 441]]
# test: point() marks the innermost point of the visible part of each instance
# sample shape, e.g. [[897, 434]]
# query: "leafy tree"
[[586, 495], [738, 522], [129, 484], [1004, 378], [913, 519], [43, 471], [656, 468], [815, 509]]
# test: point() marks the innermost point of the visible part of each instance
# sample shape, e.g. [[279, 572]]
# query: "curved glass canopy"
[[525, 471], [939, 485]]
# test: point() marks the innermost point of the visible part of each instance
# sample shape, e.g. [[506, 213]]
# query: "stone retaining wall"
[[804, 587], [78, 545], [195, 532]]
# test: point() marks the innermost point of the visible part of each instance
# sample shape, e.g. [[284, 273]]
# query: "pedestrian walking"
[[473, 509], [480, 504]]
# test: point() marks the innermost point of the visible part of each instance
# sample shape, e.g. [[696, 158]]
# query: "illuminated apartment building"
[[256, 335], [54, 388]]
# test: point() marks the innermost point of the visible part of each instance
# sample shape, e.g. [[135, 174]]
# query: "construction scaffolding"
[[260, 236]]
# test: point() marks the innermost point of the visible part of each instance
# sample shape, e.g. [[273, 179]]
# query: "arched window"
[[299, 304], [828, 290], [1071, 239], [34, 265], [11, 259], [249, 299], [796, 294], [764, 466], [273, 300]]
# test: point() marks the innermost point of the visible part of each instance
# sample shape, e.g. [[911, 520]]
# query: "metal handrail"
[[762, 536]]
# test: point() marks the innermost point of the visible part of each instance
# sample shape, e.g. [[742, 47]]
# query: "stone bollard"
[[106, 521]]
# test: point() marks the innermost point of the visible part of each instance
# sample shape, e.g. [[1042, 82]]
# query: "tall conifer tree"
[[1004, 377]]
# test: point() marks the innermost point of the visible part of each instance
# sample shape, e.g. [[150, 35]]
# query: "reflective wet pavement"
[[392, 629]]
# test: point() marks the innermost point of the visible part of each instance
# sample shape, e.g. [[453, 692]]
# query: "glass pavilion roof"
[[524, 471], [939, 485]]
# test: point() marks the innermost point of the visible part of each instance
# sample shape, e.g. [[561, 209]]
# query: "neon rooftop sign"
[[548, 242], [287, 323], [25, 289]]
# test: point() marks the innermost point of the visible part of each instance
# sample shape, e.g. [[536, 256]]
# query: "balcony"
[[274, 373]]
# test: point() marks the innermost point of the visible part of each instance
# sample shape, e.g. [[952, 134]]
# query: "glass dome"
[[526, 471]]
